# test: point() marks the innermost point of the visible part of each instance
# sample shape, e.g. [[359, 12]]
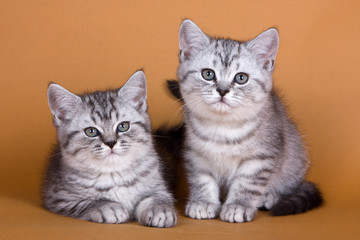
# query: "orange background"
[[90, 45]]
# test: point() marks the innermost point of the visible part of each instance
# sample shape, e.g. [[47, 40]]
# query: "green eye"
[[91, 132], [123, 127], [208, 74], [241, 78]]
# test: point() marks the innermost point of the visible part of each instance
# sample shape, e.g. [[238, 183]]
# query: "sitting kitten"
[[105, 168], [239, 145]]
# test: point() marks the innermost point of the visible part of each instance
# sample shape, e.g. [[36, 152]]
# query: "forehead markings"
[[227, 51]]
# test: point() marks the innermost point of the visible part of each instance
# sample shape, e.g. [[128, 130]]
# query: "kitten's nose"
[[222, 91], [111, 144]]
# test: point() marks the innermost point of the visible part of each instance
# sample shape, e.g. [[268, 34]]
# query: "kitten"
[[241, 150], [105, 168]]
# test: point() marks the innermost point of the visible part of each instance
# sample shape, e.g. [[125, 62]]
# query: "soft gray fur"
[[113, 177], [241, 150]]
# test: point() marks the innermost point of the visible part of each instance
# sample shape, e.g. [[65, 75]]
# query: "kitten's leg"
[[204, 202], [245, 194], [156, 211], [100, 211]]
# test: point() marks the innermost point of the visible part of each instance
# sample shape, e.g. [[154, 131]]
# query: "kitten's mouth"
[[111, 154], [221, 105]]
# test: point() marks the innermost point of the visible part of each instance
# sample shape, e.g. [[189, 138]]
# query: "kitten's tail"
[[174, 88], [306, 197], [169, 144]]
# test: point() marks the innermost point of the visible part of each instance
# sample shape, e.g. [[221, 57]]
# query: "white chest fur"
[[220, 148]]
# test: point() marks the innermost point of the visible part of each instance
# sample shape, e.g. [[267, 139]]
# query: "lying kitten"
[[105, 168], [239, 145]]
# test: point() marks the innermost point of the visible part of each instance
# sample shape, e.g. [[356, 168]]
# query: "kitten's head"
[[223, 77], [101, 128]]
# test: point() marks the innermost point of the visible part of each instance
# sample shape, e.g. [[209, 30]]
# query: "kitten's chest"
[[218, 141], [115, 186], [220, 149]]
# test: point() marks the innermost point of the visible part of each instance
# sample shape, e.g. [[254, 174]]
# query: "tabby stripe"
[[117, 219], [262, 85], [261, 156], [69, 137], [197, 172], [250, 191], [214, 63], [221, 58], [103, 189], [81, 174], [94, 119], [227, 62], [76, 151], [187, 75], [246, 137], [260, 182], [76, 207], [102, 216], [217, 43], [134, 181], [99, 115], [147, 130], [235, 56]]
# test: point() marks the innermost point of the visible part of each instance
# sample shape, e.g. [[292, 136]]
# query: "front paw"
[[161, 216], [202, 210], [236, 213], [106, 213]]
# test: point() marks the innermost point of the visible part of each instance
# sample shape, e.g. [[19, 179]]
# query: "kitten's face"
[[103, 128], [105, 133], [222, 76]]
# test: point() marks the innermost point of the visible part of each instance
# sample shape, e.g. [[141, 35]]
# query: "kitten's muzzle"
[[222, 91]]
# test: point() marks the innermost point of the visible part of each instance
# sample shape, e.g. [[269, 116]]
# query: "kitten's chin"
[[220, 107]]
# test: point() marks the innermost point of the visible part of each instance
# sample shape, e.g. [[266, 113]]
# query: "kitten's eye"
[[123, 127], [91, 132], [241, 78], [208, 74]]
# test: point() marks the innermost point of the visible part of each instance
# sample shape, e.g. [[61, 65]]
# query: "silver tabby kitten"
[[105, 168], [240, 147]]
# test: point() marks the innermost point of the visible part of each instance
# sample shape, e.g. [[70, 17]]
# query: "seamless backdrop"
[[90, 45]]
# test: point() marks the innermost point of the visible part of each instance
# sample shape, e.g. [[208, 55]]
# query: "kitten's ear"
[[63, 104], [191, 39], [265, 47], [134, 91]]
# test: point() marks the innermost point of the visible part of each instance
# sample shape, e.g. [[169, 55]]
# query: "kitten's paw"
[[107, 213], [202, 210], [161, 216], [236, 213], [270, 201]]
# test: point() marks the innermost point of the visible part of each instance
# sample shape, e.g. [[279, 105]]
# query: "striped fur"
[[241, 147], [114, 177]]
